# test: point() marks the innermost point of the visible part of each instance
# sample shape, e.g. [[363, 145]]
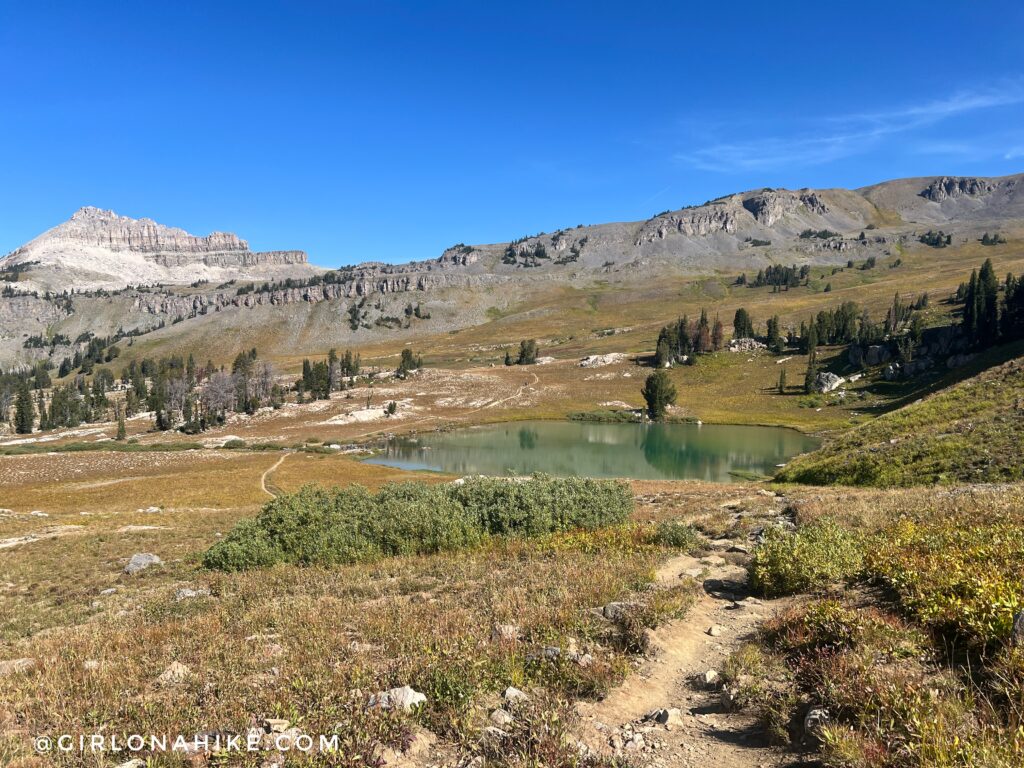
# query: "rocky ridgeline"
[[95, 228], [358, 286], [949, 187]]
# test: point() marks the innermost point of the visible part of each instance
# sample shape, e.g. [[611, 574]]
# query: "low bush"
[[672, 533], [811, 558], [321, 526]]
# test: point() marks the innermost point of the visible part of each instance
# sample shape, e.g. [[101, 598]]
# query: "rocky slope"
[[97, 249], [737, 233]]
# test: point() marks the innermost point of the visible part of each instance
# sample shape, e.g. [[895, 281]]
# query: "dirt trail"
[[706, 733], [268, 473]]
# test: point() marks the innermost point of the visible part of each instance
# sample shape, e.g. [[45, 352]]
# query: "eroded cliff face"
[[97, 249], [949, 187], [105, 229]]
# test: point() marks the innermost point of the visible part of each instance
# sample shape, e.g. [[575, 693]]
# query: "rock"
[[37, 513], [404, 698], [108, 591], [275, 725], [140, 561], [186, 593], [746, 345], [739, 549], [496, 733], [507, 633], [667, 717], [514, 696], [596, 361], [617, 611], [715, 630], [891, 372], [1017, 633], [711, 678], [16, 666], [174, 674], [135, 762], [500, 717], [827, 381], [877, 355], [815, 718], [635, 744], [713, 560], [90, 665]]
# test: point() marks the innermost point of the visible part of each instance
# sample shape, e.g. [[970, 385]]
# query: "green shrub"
[[672, 533], [811, 558], [234, 443], [321, 526]]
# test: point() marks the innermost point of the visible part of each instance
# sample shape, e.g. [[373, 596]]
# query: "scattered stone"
[[275, 725], [508, 633], [174, 674], [135, 762], [1017, 633], [140, 561], [500, 717], [404, 698], [14, 666], [715, 630], [711, 678], [37, 513], [514, 696], [187, 593], [740, 549], [826, 381], [617, 611], [636, 743], [108, 591], [713, 560], [667, 717], [814, 720], [90, 665]]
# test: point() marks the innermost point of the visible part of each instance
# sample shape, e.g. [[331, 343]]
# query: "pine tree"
[[782, 381], [122, 431], [812, 370], [659, 393], [24, 413]]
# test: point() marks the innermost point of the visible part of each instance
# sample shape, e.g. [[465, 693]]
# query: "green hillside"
[[971, 432]]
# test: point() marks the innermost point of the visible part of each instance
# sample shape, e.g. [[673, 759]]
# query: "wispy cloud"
[[832, 138]]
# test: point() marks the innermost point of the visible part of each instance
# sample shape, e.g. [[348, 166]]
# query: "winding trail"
[[268, 472], [683, 650]]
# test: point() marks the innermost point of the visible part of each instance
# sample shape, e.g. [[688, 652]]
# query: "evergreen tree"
[[717, 335], [742, 325], [24, 413], [812, 370], [663, 354], [122, 431], [659, 393], [782, 381], [508, 358], [527, 352]]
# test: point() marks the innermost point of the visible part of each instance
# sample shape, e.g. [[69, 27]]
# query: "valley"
[[199, 563]]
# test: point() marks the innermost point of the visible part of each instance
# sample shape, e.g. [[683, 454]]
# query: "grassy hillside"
[[970, 432]]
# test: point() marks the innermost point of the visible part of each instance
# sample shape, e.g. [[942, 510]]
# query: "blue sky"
[[388, 131]]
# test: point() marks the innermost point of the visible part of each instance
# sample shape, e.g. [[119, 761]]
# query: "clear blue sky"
[[388, 131]]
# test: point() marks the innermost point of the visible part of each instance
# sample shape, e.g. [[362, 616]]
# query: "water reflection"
[[645, 451]]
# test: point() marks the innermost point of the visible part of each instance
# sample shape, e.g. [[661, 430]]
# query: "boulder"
[[508, 633], [514, 696], [667, 717], [501, 717], [617, 611], [891, 372], [174, 674], [814, 720], [877, 354], [826, 381], [715, 630], [404, 698], [140, 561]]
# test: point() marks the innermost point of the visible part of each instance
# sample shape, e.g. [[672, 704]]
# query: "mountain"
[[465, 286], [97, 249]]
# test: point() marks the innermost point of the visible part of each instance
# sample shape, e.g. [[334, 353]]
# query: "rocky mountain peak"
[[956, 186]]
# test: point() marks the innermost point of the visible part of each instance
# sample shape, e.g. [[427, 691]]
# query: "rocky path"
[[699, 730]]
